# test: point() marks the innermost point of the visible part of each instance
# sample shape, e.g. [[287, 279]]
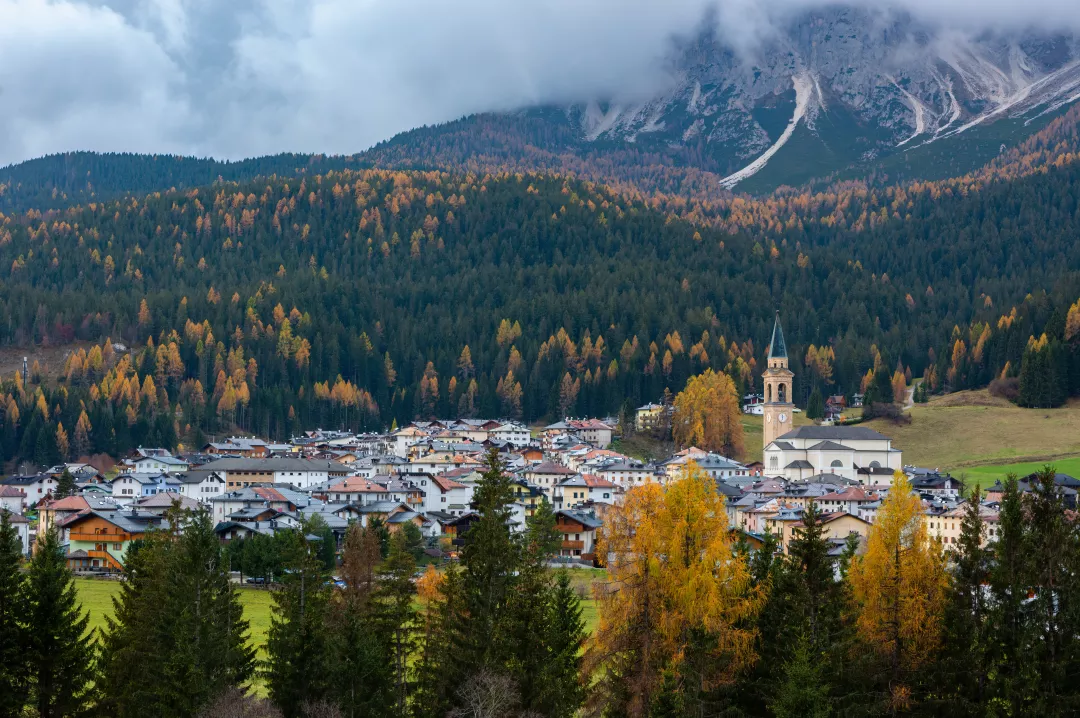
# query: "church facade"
[[856, 453]]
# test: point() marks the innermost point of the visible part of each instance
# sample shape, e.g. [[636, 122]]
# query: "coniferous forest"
[[357, 299]]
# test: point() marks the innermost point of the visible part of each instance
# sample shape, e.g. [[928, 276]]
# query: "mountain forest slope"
[[349, 299]]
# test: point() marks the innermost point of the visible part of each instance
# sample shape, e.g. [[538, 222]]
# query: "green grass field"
[[975, 433], [986, 476], [96, 596]]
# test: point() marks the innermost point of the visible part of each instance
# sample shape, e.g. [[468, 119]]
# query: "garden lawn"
[[986, 476]]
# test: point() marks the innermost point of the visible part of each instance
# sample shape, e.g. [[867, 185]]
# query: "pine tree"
[[564, 685], [815, 405], [60, 651], [966, 644], [65, 485], [361, 665], [298, 669], [1052, 551], [1009, 590], [398, 616], [14, 637], [438, 672], [178, 616], [802, 692], [489, 559]]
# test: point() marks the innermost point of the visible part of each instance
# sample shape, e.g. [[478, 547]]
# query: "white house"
[[627, 473], [512, 433], [442, 494], [22, 528], [156, 465], [300, 473], [201, 485], [405, 438], [36, 487], [841, 450], [13, 499], [584, 488]]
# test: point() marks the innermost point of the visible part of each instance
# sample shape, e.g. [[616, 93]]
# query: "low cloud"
[[251, 77]]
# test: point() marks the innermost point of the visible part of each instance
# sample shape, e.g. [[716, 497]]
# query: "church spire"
[[777, 347]]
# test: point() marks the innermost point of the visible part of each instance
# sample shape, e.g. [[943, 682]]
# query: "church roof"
[[835, 433], [777, 347]]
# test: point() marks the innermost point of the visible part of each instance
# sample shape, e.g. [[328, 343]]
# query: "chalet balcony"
[[97, 538], [571, 545]]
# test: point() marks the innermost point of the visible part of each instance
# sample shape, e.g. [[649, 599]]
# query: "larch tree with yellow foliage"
[[708, 415], [899, 587], [676, 616]]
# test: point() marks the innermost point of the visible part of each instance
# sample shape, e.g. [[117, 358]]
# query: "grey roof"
[[715, 461], [829, 446], [197, 476], [835, 433], [129, 521], [170, 460], [783, 445], [588, 520], [777, 347], [799, 464], [727, 489]]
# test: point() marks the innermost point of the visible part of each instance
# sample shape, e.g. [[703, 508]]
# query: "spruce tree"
[[179, 618], [1009, 588], [1052, 547], [361, 668], [60, 651], [802, 691], [398, 615], [489, 560], [438, 668], [815, 405], [14, 637], [298, 670], [966, 646], [564, 686], [65, 485]]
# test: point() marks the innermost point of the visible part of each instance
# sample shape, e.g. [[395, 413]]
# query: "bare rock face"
[[869, 83]]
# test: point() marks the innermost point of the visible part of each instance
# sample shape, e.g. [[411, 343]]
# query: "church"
[[856, 453]]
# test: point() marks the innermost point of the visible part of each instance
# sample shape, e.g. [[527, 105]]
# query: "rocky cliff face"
[[862, 85]]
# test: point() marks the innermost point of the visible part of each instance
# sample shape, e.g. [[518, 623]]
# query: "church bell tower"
[[777, 376]]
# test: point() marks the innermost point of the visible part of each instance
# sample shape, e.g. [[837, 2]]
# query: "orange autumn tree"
[[899, 588], [677, 612], [707, 414]]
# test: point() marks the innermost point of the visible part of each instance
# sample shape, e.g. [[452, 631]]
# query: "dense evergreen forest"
[[358, 298]]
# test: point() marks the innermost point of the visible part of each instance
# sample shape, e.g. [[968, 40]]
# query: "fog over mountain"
[[255, 77]]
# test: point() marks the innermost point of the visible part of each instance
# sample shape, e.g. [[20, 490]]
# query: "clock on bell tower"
[[777, 378]]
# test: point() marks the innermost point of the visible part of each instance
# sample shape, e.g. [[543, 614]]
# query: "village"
[[424, 474]]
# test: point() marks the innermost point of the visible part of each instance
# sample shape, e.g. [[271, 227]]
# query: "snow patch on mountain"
[[804, 87]]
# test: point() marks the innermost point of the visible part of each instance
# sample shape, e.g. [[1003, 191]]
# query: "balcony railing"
[[571, 545], [97, 538]]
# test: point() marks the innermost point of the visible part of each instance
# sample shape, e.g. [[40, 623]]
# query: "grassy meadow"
[[974, 433]]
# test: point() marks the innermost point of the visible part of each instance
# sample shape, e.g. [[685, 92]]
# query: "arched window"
[[781, 393], [774, 462], [768, 394], [875, 465], [837, 464]]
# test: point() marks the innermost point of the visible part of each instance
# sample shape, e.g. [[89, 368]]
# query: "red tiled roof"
[[12, 492], [446, 484], [70, 503], [595, 482], [356, 485]]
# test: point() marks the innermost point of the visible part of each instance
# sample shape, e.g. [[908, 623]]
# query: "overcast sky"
[[237, 78]]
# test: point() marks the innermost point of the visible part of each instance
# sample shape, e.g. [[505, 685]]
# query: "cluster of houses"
[[425, 474]]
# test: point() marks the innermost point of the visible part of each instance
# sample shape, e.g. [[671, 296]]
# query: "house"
[[164, 501], [300, 473], [443, 494], [12, 499], [248, 448], [405, 438], [156, 465], [35, 486], [627, 474], [201, 484], [57, 512], [753, 404], [933, 483], [850, 500], [281, 498], [843, 450], [721, 468], [128, 487], [357, 490], [528, 495], [579, 533], [22, 528], [648, 417], [511, 433], [100, 539], [579, 489], [546, 475], [1065, 485]]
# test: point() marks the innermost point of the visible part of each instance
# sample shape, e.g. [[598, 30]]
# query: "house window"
[[774, 462], [837, 464], [116, 546]]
